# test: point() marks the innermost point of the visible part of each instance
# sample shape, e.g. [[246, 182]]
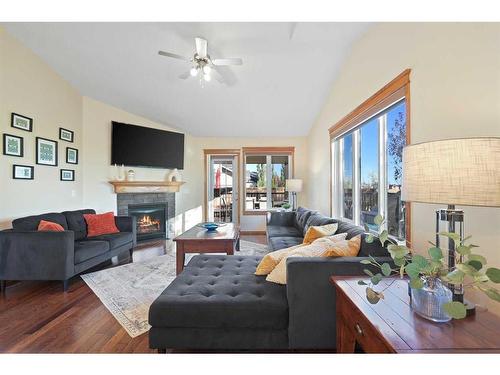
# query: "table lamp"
[[294, 186], [463, 172]]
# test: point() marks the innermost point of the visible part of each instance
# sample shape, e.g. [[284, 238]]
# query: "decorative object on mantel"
[[146, 186], [174, 175], [462, 171], [430, 298], [118, 174], [130, 175]]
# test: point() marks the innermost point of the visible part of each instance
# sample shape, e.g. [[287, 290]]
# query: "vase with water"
[[428, 301]]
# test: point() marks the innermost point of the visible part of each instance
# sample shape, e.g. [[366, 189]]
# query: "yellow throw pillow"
[[270, 261], [345, 248], [317, 249], [315, 232], [334, 238]]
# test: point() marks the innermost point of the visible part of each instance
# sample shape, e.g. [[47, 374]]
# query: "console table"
[[390, 326]]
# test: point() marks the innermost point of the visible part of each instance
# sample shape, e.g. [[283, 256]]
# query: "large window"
[[266, 170], [367, 161]]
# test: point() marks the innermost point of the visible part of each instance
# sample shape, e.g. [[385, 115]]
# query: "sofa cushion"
[[316, 219], [277, 243], [279, 231], [301, 216], [85, 250], [221, 291], [30, 223], [77, 223], [115, 240], [375, 249]]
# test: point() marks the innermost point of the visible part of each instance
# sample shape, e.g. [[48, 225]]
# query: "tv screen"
[[138, 146]]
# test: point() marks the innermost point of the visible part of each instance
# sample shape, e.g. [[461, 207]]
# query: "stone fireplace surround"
[[123, 200]]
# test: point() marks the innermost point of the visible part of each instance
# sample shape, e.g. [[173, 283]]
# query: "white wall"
[[455, 92], [29, 87]]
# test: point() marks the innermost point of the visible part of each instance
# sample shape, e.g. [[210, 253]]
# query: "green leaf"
[[436, 253], [376, 279], [455, 309], [420, 261], [383, 237], [378, 220], [464, 250], [492, 293], [413, 270], [367, 228], [372, 296], [369, 239], [481, 278], [399, 262], [454, 236], [478, 258], [455, 277], [493, 274], [397, 251], [368, 272], [416, 283], [361, 282], [401, 270], [386, 269], [475, 264], [465, 268], [366, 261]]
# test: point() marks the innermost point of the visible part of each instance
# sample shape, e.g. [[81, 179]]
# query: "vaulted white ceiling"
[[279, 90]]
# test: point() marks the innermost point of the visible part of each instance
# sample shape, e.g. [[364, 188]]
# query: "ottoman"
[[218, 303]]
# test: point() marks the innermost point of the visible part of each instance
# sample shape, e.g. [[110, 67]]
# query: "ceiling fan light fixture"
[[207, 69], [207, 77], [194, 71]]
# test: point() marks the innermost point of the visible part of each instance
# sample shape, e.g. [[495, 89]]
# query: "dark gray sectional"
[[27, 254], [218, 303]]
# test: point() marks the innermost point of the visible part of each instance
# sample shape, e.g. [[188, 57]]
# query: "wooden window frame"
[[220, 152], [397, 89], [290, 151]]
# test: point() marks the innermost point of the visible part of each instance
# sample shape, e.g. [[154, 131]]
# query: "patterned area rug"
[[128, 291]]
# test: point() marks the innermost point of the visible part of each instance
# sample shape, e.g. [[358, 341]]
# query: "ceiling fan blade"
[[228, 61], [218, 77], [201, 47], [185, 75], [174, 55]]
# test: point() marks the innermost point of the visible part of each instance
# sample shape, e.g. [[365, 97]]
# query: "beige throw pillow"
[[345, 248], [315, 232]]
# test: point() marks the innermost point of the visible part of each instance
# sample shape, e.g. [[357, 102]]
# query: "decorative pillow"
[[49, 226], [345, 248], [334, 238], [270, 261], [317, 249], [315, 232], [98, 224]]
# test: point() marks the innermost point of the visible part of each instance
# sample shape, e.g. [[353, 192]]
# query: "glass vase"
[[428, 301]]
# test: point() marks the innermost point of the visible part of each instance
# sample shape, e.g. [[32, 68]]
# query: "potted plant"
[[431, 298]]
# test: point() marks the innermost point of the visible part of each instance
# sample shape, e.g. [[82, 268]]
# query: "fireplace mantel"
[[146, 186]]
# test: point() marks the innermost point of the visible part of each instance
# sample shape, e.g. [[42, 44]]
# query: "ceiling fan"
[[203, 66]]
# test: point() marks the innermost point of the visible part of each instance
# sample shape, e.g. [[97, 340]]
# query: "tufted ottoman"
[[218, 303]]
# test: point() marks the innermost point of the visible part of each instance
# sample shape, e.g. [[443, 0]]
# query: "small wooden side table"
[[390, 326], [226, 239]]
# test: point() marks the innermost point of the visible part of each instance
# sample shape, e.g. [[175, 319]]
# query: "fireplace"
[[151, 220]]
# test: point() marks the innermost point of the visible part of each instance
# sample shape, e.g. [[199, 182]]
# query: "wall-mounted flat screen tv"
[[138, 146]]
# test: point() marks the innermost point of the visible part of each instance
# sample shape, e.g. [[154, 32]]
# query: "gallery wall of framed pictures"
[[47, 151]]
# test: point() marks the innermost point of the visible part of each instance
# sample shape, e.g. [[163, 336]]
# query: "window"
[[366, 151], [265, 173]]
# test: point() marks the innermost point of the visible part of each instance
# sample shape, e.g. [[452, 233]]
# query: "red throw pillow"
[[49, 226], [100, 224]]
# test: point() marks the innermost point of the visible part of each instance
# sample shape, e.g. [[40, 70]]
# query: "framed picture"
[[21, 122], [23, 172], [66, 135], [13, 145], [71, 155], [67, 175], [46, 152]]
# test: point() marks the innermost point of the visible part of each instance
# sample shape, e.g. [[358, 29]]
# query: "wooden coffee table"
[[226, 239]]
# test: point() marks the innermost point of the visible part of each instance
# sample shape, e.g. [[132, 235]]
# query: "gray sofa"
[[217, 303], [27, 254]]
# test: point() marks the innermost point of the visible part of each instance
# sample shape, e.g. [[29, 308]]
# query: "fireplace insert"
[[151, 220]]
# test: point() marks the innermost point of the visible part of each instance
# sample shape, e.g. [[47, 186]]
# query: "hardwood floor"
[[37, 317]]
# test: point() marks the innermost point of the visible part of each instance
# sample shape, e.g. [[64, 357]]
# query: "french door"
[[222, 188]]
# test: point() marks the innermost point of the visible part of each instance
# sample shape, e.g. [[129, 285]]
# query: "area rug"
[[128, 291]]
